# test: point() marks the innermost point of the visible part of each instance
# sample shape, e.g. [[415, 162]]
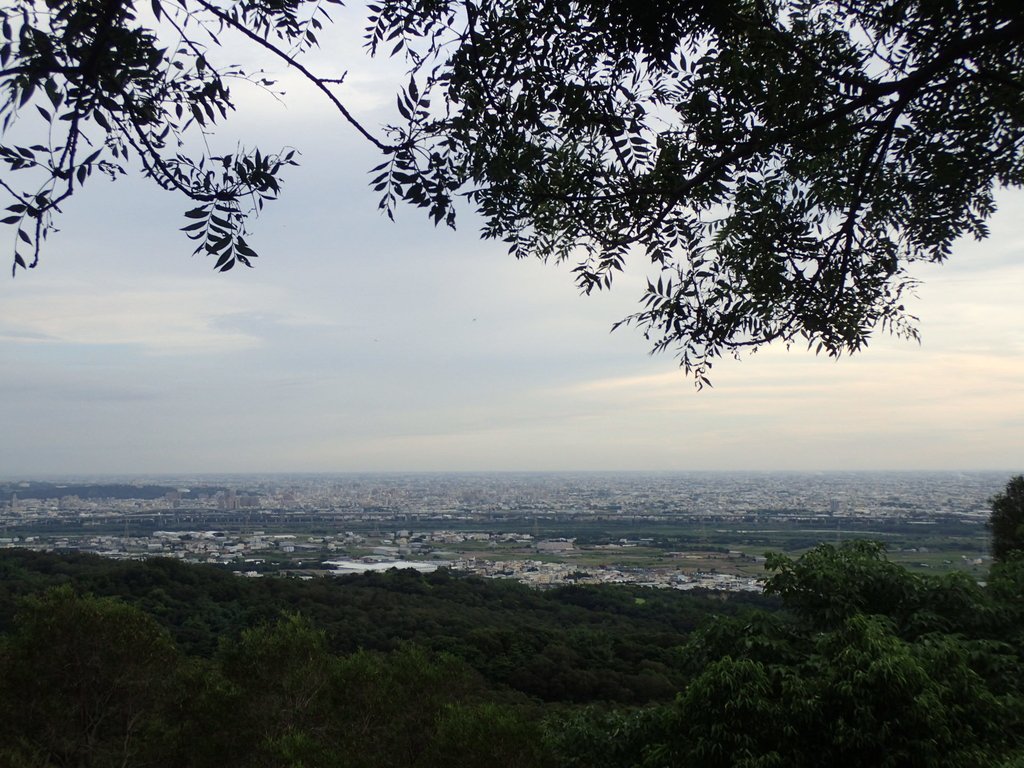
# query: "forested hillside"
[[572, 644], [849, 661]]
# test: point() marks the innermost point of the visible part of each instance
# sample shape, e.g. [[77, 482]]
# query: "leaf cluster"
[[866, 664], [780, 164], [1007, 520], [104, 84]]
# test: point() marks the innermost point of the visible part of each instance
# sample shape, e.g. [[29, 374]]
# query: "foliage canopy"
[[779, 162], [857, 662], [1007, 520]]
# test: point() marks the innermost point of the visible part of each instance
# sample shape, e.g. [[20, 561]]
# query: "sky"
[[357, 344]]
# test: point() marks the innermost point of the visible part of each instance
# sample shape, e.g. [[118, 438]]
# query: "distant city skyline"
[[495, 524], [357, 344]]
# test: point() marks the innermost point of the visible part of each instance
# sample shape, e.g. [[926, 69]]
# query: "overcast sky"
[[358, 344]]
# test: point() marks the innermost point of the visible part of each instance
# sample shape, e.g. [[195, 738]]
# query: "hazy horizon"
[[214, 475]]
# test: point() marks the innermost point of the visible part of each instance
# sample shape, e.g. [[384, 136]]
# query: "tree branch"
[[291, 61]]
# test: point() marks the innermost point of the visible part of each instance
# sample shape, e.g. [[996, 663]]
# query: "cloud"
[[155, 318], [360, 344], [896, 405], [29, 388], [12, 334]]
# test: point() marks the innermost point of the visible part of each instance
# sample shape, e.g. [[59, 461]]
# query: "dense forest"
[[847, 660]]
